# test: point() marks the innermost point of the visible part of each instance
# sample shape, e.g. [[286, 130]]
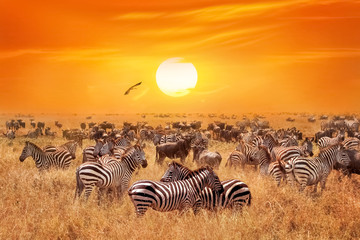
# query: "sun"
[[176, 78]]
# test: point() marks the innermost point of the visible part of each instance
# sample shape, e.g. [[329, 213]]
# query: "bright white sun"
[[176, 78]]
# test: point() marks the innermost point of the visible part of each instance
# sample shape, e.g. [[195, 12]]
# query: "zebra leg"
[[197, 206], [101, 192], [302, 186], [88, 190], [79, 186], [315, 188]]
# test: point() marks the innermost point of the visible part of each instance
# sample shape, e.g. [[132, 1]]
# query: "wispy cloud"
[[218, 89], [138, 16], [314, 55]]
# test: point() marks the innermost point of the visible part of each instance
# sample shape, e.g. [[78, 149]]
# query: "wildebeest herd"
[[283, 154]]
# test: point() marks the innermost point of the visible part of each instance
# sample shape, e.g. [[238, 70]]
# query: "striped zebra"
[[351, 143], [286, 153], [115, 147], [289, 141], [249, 152], [236, 193], [257, 141], [270, 142], [311, 171], [69, 146], [327, 141], [170, 138], [60, 159], [109, 173], [236, 159], [91, 153], [179, 195]]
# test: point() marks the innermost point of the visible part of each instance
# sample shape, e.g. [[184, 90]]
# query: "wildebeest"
[[173, 150], [59, 125], [204, 157], [83, 126], [10, 134], [34, 133]]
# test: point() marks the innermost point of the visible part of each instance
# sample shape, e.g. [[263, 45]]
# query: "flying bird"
[[131, 88]]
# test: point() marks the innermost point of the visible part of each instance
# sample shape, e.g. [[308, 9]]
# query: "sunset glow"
[[250, 56]]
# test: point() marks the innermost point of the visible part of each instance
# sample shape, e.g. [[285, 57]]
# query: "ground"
[[37, 205]]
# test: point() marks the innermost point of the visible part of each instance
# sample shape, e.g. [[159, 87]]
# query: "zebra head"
[[99, 144], [26, 152], [175, 172], [106, 148], [308, 147], [140, 154], [212, 181], [343, 158]]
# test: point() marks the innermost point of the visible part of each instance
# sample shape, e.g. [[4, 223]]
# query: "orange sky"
[[254, 56]]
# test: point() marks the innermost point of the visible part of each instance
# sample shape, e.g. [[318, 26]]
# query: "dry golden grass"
[[40, 206]]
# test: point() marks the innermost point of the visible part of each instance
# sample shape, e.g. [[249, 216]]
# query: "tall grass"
[[37, 205]]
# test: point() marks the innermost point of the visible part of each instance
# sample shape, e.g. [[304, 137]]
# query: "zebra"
[[351, 143], [311, 171], [289, 141], [179, 195], [90, 153], [69, 146], [60, 159], [270, 142], [170, 138], [236, 193], [286, 153], [235, 159], [115, 147], [249, 152], [327, 141], [109, 173], [257, 141]]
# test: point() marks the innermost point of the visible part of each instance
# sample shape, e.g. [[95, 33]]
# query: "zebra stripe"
[[236, 193], [351, 143], [170, 138], [235, 159], [257, 141], [327, 141], [60, 159], [270, 142], [88, 154], [311, 171], [109, 173], [69, 146], [179, 195], [286, 153]]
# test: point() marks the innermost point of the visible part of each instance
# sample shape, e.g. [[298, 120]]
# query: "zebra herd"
[[111, 162]]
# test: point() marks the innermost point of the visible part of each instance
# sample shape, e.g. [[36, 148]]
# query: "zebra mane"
[[34, 146]]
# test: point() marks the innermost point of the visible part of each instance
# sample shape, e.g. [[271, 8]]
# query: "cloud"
[[314, 55], [212, 91]]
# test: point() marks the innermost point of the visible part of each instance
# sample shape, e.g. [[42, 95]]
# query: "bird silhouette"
[[131, 88]]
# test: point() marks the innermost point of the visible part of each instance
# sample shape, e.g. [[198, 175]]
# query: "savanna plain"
[[36, 205]]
